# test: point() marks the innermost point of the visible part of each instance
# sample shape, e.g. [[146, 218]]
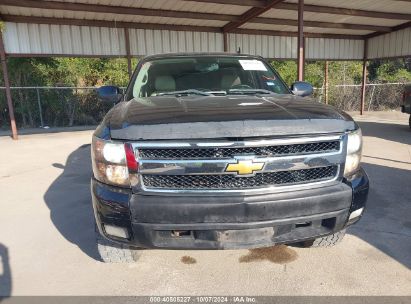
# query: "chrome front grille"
[[170, 166], [230, 182], [227, 152]]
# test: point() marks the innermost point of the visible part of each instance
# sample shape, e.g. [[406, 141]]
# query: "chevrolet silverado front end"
[[213, 151]]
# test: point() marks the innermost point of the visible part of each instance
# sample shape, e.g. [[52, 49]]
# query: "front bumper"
[[222, 222], [406, 108]]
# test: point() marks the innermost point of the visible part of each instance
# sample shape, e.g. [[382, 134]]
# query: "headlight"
[[112, 162], [354, 149]]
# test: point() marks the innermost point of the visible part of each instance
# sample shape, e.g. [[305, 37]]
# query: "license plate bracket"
[[246, 235]]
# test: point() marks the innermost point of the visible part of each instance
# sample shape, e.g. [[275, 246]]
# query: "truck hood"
[[169, 117]]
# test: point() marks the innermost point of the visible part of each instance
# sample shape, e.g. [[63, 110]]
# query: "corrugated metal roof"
[[393, 6], [310, 16], [269, 27], [192, 6], [108, 17], [335, 31], [79, 39], [307, 29], [177, 5]]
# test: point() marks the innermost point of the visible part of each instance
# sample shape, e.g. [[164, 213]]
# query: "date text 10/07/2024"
[[203, 299]]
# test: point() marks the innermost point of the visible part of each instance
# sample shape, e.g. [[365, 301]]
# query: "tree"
[[62, 106], [287, 70]]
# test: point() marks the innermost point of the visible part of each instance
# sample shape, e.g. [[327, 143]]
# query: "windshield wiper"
[[185, 93], [250, 91], [219, 93]]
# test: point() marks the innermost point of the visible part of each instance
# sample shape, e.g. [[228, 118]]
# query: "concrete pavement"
[[47, 240]]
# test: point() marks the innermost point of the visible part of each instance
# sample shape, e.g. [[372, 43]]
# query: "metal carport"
[[280, 29]]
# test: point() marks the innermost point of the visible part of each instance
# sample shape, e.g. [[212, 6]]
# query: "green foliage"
[[62, 107], [23, 71], [287, 70], [388, 72], [350, 73], [345, 72], [70, 107], [115, 72], [84, 71], [314, 73], [395, 70]]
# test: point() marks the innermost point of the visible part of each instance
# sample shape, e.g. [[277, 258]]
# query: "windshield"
[[206, 75]]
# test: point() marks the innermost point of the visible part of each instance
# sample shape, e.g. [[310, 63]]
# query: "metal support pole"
[[7, 85], [364, 77], [225, 42], [39, 105], [300, 51], [128, 52], [326, 82]]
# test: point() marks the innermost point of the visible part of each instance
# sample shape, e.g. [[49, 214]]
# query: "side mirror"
[[109, 94], [301, 88]]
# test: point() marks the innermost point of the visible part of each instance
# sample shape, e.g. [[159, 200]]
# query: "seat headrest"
[[229, 80], [165, 83]]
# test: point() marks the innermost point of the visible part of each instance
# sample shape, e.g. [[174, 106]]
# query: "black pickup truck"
[[214, 151]]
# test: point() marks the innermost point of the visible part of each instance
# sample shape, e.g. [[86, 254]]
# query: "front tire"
[[111, 252], [325, 241]]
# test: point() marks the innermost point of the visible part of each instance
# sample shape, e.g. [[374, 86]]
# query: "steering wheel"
[[241, 86]]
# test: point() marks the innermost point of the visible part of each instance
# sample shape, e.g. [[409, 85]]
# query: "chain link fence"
[[53, 107], [79, 106], [378, 96]]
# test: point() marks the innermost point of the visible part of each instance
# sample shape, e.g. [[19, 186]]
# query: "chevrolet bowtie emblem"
[[244, 167]]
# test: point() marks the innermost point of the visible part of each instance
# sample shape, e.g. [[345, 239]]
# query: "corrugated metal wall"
[[395, 44], [286, 47], [22, 38], [266, 46], [337, 49], [147, 42]]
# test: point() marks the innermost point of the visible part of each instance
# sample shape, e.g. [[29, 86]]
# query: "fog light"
[[116, 231], [354, 216], [356, 213]]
